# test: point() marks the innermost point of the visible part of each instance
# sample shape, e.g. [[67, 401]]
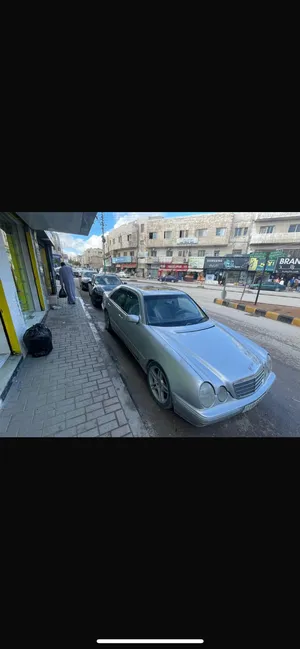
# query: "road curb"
[[280, 317]]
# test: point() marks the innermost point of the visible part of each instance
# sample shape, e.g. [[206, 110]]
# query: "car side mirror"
[[133, 318], [124, 283]]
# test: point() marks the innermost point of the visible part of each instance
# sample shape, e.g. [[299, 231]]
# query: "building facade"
[[27, 279], [155, 245], [92, 258]]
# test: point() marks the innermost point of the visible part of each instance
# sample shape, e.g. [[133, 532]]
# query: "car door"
[[115, 307]]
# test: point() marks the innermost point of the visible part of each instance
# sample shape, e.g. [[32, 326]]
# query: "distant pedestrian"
[[67, 282], [281, 282]]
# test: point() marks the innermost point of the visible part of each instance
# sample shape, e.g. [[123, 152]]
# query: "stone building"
[[92, 258], [152, 244]]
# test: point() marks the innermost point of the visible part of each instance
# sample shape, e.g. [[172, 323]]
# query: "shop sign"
[[141, 255], [132, 265], [174, 266], [230, 262], [258, 260], [120, 260], [196, 262], [290, 261], [187, 241]]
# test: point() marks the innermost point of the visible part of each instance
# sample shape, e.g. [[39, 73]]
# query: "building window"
[[169, 253], [153, 252], [131, 253], [294, 228], [142, 227], [201, 233], [183, 234], [190, 253], [168, 234], [217, 253], [110, 242], [201, 253], [152, 235], [237, 252], [220, 232], [120, 239], [128, 237], [238, 232], [114, 241], [179, 253], [266, 229], [245, 231]]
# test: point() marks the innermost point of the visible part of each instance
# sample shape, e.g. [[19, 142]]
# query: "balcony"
[[277, 239], [276, 216]]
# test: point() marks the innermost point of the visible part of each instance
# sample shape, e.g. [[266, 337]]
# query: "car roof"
[[147, 289]]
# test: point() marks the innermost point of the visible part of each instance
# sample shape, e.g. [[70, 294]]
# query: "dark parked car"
[[168, 278], [269, 287], [87, 276], [101, 286]]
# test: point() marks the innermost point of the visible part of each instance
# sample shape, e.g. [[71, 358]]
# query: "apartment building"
[[153, 244], [92, 258]]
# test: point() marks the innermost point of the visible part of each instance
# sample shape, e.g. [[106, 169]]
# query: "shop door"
[[10, 234]]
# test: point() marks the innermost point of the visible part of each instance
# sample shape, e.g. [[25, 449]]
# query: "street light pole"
[[103, 239], [261, 279]]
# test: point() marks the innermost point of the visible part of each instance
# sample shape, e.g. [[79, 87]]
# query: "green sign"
[[258, 260]]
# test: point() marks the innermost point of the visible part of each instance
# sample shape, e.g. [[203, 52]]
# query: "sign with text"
[[196, 262], [289, 261], [174, 266], [229, 262], [187, 241], [258, 260]]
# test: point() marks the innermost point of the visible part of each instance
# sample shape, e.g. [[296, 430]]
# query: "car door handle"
[[121, 316]]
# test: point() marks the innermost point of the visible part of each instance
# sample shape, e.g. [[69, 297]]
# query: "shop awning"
[[70, 222]]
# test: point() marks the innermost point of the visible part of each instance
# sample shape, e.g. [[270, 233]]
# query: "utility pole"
[[103, 238]]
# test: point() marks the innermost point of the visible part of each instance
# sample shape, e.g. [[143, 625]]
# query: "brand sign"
[[230, 262], [258, 260], [174, 266], [196, 262], [290, 261], [187, 241], [120, 260]]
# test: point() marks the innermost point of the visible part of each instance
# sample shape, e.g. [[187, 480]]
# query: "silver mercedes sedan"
[[202, 369]]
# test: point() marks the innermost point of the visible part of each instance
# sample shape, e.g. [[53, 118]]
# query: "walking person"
[[67, 282]]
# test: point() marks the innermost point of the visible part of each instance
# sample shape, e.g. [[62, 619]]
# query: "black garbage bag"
[[38, 340], [62, 293]]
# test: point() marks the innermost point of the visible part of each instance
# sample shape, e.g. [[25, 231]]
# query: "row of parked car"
[[202, 369]]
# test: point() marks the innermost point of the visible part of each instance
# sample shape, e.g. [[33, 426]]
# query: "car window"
[[110, 280], [119, 297], [88, 274], [131, 305], [172, 311], [99, 280]]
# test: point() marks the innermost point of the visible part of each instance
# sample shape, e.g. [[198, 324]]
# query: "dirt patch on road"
[[275, 308]]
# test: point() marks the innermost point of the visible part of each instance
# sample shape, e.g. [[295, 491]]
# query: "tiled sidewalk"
[[75, 391]]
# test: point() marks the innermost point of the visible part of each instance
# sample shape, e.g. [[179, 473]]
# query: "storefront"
[[257, 264], [123, 263], [288, 265], [179, 270], [235, 267]]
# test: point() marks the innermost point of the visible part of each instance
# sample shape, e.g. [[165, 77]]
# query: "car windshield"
[[172, 311], [88, 273], [108, 280]]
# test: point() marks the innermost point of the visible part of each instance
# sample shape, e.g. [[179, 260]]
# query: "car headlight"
[[222, 394], [207, 395]]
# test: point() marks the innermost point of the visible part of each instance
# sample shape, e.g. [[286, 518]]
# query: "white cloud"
[[77, 245], [125, 217]]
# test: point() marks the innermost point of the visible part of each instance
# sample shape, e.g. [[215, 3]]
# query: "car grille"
[[246, 387]]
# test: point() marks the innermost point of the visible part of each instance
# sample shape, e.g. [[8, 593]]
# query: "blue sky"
[[76, 244]]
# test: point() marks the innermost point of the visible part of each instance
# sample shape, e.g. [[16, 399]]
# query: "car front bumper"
[[222, 411]]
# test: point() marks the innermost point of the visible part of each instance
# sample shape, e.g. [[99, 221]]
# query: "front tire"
[[159, 386], [108, 326]]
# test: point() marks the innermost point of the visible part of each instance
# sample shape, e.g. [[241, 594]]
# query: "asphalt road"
[[278, 415]]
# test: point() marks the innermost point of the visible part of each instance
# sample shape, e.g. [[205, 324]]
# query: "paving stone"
[[88, 425], [106, 428], [120, 432], [84, 402], [4, 423], [75, 421], [73, 393], [121, 417], [112, 392], [113, 407], [105, 418], [104, 381], [98, 393], [57, 396], [69, 432], [95, 414], [109, 402], [94, 406], [52, 430], [91, 433]]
